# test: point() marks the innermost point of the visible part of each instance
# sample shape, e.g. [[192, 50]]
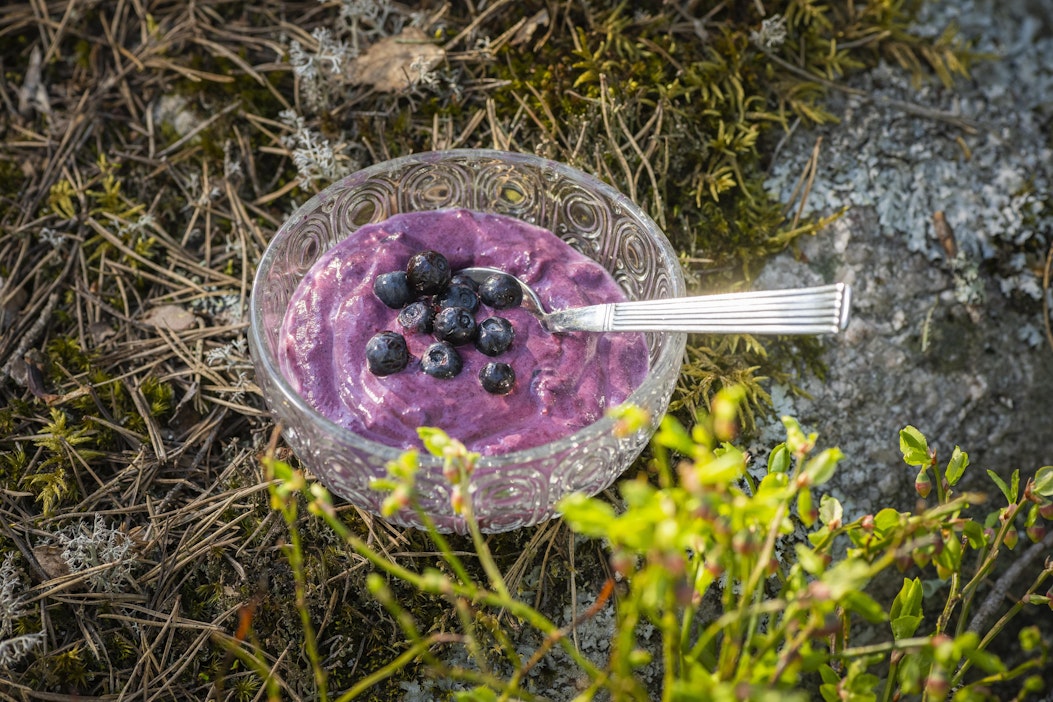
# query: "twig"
[[615, 148], [805, 181], [1045, 295], [1001, 587], [913, 108], [30, 338]]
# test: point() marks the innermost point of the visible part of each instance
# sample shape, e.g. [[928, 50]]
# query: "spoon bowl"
[[823, 309]]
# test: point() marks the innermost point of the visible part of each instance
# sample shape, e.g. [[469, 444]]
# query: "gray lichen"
[[992, 186]]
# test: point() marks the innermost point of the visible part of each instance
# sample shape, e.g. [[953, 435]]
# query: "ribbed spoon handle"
[[817, 310]]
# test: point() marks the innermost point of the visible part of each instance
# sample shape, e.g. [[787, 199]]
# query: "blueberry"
[[428, 272], [501, 291], [417, 317], [441, 360], [386, 353], [497, 378], [455, 325], [458, 296], [465, 280], [495, 336], [392, 289]]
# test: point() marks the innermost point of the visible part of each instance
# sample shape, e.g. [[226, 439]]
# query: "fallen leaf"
[[526, 31], [100, 332], [51, 561], [33, 95], [171, 317], [396, 63], [34, 367]]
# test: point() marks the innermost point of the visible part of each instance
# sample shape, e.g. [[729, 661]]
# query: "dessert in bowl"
[[343, 425]]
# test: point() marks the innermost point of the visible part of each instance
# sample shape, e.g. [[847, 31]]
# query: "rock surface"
[[946, 335]]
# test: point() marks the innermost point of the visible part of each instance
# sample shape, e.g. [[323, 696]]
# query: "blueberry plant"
[[758, 585]]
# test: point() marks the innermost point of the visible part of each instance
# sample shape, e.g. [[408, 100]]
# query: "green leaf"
[[479, 694], [905, 614], [974, 532], [956, 466], [672, 435], [830, 692], [914, 447], [796, 441], [864, 605], [779, 459], [586, 515], [434, 440], [811, 561], [636, 493], [847, 577], [863, 687], [829, 675], [722, 470], [819, 536], [278, 469], [985, 661], [821, 468], [908, 600], [805, 507], [830, 511], [1010, 493], [1043, 481], [904, 627], [950, 556], [830, 689], [772, 485], [886, 520]]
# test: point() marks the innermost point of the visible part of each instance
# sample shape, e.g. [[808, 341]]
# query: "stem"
[[1000, 624], [953, 597], [719, 625], [254, 663], [901, 645], [296, 563], [742, 612], [689, 610], [1006, 675], [941, 494], [1003, 584], [890, 680], [469, 590], [787, 653], [443, 545], [404, 659], [468, 626], [486, 559], [764, 557], [670, 639]]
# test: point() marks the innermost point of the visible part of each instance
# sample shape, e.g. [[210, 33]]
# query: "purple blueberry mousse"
[[563, 383]]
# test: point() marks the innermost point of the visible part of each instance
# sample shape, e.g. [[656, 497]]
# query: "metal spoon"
[[817, 310]]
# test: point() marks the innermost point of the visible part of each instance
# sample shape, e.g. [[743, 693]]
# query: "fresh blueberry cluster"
[[432, 300]]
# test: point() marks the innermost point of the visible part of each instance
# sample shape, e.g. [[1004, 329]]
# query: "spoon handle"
[[817, 310]]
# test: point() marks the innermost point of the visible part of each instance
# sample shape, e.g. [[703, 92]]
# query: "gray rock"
[[953, 344]]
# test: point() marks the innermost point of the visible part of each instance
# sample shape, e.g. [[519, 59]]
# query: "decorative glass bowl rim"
[[604, 425]]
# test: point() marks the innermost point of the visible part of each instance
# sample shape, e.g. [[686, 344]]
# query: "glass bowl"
[[510, 490]]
